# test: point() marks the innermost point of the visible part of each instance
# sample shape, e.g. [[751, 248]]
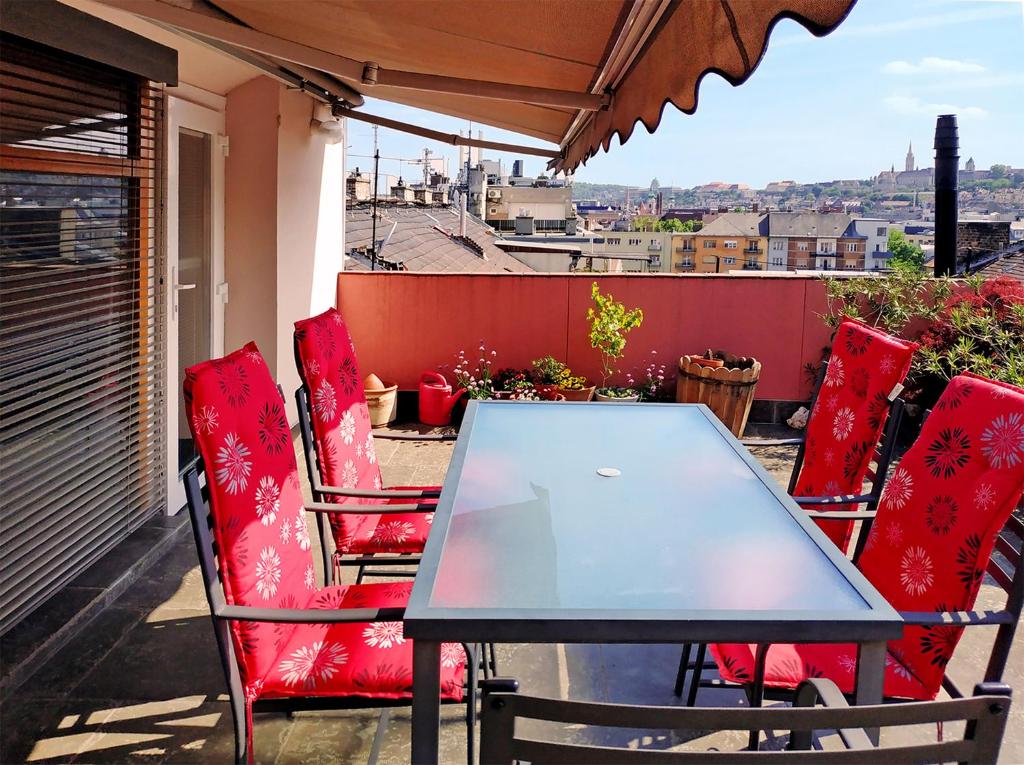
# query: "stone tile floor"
[[142, 683]]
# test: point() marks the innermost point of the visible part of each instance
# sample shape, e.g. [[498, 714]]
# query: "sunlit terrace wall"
[[405, 324]]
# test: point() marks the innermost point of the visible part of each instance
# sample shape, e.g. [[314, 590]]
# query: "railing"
[[753, 250], [684, 248], [406, 323]]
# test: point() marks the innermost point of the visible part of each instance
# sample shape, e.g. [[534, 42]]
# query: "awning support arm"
[[448, 138], [350, 69]]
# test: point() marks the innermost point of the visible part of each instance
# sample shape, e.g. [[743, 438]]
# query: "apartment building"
[[684, 253], [876, 243], [817, 241], [730, 242], [638, 250]]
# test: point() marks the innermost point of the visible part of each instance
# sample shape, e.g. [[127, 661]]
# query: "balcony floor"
[[143, 683]]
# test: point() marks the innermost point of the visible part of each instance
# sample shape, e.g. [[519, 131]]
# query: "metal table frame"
[[430, 626]]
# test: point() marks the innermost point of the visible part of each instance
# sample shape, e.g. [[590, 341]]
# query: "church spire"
[[910, 157]]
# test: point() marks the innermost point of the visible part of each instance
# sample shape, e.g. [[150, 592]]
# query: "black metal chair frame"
[[1008, 575], [985, 714], [222, 614]]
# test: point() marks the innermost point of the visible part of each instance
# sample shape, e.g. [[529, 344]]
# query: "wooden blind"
[[82, 439]]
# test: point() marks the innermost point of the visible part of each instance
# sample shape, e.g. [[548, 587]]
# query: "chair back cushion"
[[238, 422], [941, 510], [849, 414], [327, 365]]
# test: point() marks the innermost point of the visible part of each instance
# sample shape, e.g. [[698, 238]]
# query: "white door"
[[196, 290]]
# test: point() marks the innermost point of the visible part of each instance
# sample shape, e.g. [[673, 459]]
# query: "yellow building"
[[732, 241], [683, 253]]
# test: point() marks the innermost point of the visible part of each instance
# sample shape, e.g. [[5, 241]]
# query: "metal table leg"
[[870, 677], [426, 701]]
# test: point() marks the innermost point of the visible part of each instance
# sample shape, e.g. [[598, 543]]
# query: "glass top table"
[[594, 522]]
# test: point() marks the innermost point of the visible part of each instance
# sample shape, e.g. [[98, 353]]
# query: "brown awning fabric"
[[573, 72]]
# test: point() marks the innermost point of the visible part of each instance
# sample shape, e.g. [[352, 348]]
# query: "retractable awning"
[[572, 72]]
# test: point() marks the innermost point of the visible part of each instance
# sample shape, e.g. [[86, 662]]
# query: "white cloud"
[[912, 105], [934, 65]]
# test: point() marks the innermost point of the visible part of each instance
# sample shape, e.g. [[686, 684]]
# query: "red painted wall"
[[404, 324]]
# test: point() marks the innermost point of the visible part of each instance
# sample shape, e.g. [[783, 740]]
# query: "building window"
[[801, 264], [776, 261], [851, 246], [878, 248], [851, 265], [880, 231], [730, 244], [802, 246], [686, 262], [616, 240], [729, 261], [709, 244], [824, 246], [778, 244], [635, 242]]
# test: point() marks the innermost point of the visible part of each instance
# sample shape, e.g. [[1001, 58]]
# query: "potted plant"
[[553, 378], [515, 384], [610, 322], [727, 387], [652, 383], [476, 378], [381, 401]]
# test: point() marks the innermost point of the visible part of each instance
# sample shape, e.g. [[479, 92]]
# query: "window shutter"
[[82, 438]]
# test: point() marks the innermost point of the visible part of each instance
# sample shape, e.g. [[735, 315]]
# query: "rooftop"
[[424, 239], [142, 684]]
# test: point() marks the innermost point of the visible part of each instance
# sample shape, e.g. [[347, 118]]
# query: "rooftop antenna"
[[373, 234]]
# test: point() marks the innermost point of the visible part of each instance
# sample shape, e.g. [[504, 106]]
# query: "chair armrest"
[[307, 615], [393, 436], [842, 515], [808, 694], [842, 499], [771, 441], [337, 491], [956, 618], [327, 507]]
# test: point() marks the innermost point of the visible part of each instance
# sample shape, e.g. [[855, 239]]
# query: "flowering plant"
[[518, 382], [475, 377], [652, 386], [568, 381]]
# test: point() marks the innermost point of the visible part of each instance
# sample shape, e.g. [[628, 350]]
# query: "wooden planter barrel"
[[728, 390]]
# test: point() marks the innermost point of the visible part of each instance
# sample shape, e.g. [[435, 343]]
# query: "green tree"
[[998, 171], [644, 223], [610, 322], [671, 224], [905, 254], [690, 226]]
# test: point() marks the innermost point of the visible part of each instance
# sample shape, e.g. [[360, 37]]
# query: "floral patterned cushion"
[[327, 364], [941, 511], [787, 665], [240, 429], [371, 660], [849, 415], [932, 538], [238, 423]]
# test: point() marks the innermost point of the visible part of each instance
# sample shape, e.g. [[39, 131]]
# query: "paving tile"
[[125, 555], [329, 737]]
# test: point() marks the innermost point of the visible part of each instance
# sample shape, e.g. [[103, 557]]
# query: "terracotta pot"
[[548, 392], [582, 394], [616, 399], [383, 405], [703, 362], [727, 390]]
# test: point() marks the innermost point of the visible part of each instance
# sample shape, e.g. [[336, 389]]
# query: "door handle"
[[184, 286]]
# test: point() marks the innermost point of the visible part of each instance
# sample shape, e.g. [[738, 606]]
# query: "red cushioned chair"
[[285, 643], [341, 460], [947, 507], [851, 432]]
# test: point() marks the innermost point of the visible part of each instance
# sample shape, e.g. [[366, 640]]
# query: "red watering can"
[[437, 399]]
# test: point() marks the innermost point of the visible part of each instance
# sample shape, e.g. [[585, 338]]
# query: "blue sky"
[[843, 106]]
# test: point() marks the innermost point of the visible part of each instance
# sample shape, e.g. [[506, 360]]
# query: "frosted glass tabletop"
[[618, 507]]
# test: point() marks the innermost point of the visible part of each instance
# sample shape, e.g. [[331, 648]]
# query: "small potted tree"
[[610, 322]]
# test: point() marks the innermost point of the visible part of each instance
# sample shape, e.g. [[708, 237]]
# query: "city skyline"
[[879, 82]]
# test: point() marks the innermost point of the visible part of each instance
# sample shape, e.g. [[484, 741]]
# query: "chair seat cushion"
[[365, 659], [789, 664], [393, 534]]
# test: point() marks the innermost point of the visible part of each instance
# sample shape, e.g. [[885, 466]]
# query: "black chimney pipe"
[[947, 167]]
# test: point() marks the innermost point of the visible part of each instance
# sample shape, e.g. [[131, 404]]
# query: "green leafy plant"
[[610, 322], [905, 254], [476, 377], [891, 301], [547, 370]]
